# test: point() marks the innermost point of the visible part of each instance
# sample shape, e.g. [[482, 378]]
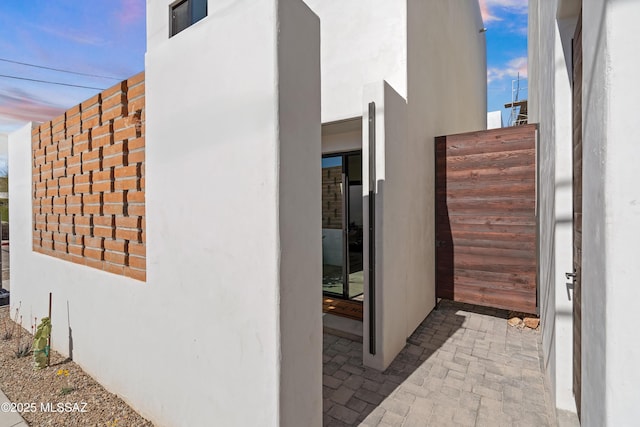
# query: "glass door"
[[333, 247], [342, 274]]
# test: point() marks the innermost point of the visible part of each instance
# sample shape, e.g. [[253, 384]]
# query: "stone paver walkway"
[[463, 366]]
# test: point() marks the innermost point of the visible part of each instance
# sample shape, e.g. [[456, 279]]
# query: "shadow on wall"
[[353, 392]]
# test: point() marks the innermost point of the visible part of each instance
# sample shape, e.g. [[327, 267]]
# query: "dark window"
[[185, 13]]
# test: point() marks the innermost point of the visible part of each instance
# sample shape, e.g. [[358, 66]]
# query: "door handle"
[[570, 276]]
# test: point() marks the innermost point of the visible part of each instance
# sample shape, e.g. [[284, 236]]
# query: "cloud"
[[131, 11], [494, 10], [511, 69], [18, 106]]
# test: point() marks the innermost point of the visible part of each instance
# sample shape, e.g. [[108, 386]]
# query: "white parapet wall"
[[227, 328], [389, 299]]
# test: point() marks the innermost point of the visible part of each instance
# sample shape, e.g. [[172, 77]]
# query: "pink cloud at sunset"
[[18, 106], [489, 8], [131, 11]]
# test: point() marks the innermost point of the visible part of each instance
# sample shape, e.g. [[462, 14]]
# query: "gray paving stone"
[[463, 366], [343, 414]]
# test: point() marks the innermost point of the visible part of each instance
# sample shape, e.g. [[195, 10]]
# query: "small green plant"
[[9, 327], [68, 387], [23, 350]]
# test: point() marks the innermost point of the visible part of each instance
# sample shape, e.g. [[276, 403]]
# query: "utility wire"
[[60, 70], [50, 82]]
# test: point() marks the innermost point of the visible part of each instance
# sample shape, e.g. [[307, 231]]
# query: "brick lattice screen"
[[88, 182]]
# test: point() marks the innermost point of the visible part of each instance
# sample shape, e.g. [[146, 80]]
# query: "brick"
[[92, 209], [119, 110], [113, 209], [135, 248], [82, 220], [128, 222], [65, 181], [135, 197], [76, 249], [74, 200], [96, 254], [91, 166], [115, 257], [115, 160], [92, 262], [115, 245], [133, 235], [135, 274], [73, 170], [103, 175], [83, 230], [57, 137], [117, 197], [116, 89], [116, 148], [59, 247], [74, 209], [102, 141], [104, 221], [73, 111], [135, 79], [81, 142], [74, 160], [59, 237], [126, 133], [103, 130], [127, 184], [114, 268], [75, 239], [94, 242], [135, 105], [91, 199], [136, 143], [103, 186], [127, 171], [135, 210], [135, 157], [65, 228], [106, 232]]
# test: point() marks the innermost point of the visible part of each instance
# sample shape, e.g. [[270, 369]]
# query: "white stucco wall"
[[362, 42], [550, 77], [227, 328], [391, 230], [494, 119], [611, 216], [432, 55], [447, 94]]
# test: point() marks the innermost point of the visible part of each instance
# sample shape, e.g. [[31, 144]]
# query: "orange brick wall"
[[88, 182]]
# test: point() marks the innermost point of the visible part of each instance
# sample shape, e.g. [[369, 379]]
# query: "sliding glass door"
[[342, 274]]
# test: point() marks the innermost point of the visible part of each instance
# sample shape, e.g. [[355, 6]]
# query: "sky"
[[106, 38], [506, 23]]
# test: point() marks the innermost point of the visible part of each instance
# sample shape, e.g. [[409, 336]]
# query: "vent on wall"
[[184, 13]]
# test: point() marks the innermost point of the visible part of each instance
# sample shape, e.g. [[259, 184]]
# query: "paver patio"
[[462, 366]]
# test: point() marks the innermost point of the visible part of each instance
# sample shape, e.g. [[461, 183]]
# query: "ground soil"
[[63, 382]]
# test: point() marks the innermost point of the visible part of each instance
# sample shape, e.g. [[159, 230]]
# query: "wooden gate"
[[485, 218]]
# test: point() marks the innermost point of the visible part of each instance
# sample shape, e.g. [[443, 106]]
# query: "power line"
[[50, 82], [58, 69]]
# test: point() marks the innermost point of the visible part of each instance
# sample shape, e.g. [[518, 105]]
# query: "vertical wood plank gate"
[[486, 245]]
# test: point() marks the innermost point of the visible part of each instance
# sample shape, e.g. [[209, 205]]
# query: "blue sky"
[[107, 38], [506, 23], [100, 37]]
